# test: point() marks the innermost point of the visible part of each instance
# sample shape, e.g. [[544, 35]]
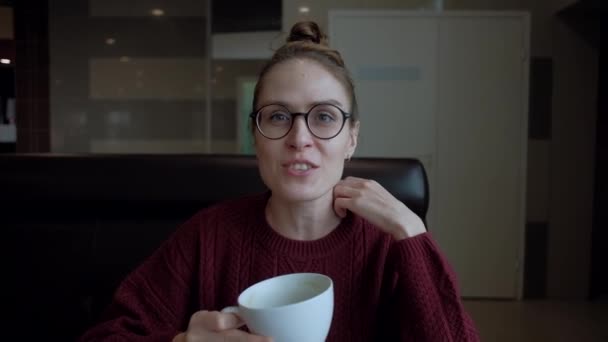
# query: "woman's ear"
[[352, 139]]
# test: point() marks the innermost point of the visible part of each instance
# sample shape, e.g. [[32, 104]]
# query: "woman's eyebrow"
[[288, 106], [328, 101]]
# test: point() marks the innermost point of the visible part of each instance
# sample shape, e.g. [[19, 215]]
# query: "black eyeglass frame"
[[254, 116]]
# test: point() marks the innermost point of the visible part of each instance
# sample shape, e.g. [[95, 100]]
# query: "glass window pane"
[[150, 76], [129, 76]]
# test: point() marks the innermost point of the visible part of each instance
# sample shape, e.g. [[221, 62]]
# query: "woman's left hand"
[[371, 201]]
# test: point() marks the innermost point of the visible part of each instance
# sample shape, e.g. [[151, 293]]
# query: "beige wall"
[[319, 8], [560, 174], [6, 22]]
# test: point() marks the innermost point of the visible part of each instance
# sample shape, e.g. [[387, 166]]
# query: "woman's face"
[[301, 167]]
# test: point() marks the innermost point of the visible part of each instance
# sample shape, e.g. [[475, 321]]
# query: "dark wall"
[[599, 235], [246, 16], [32, 76]]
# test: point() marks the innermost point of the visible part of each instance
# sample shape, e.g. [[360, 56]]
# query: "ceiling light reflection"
[[157, 12]]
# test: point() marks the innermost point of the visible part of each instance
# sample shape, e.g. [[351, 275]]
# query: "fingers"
[[214, 326], [214, 321], [354, 187], [341, 194], [232, 335], [235, 335], [360, 183], [354, 179], [346, 193], [344, 190], [341, 205]]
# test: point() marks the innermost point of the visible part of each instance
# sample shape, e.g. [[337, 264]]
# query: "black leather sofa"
[[74, 225]]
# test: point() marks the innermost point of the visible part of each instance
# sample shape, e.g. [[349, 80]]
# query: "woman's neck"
[[310, 220]]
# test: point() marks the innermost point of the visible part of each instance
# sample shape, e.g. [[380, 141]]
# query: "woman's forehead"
[[301, 82]]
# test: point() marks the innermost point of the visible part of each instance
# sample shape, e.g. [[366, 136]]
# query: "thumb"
[[181, 337], [214, 321], [340, 206]]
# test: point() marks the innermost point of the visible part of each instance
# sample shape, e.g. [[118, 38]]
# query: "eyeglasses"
[[324, 121]]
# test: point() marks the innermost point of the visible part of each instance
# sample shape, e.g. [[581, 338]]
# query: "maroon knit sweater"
[[385, 290]]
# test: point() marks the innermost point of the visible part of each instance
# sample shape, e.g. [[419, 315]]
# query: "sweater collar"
[[277, 243]]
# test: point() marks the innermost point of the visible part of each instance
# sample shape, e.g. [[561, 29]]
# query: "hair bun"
[[307, 31]]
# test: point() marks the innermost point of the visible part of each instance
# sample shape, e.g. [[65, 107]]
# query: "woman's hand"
[[212, 326], [371, 201]]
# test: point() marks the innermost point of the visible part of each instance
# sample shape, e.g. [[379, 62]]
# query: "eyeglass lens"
[[323, 120]]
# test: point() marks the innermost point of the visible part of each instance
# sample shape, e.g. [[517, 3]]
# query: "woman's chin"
[[299, 194]]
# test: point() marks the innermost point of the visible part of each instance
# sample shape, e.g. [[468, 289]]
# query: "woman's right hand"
[[211, 326]]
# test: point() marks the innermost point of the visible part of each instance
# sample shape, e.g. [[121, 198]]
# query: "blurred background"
[[177, 76]]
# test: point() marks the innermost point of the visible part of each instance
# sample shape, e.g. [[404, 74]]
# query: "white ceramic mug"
[[295, 307]]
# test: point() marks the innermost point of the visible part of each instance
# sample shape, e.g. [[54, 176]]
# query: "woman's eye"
[[279, 116], [324, 117]]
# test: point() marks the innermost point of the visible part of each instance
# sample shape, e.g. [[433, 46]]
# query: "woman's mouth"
[[300, 166]]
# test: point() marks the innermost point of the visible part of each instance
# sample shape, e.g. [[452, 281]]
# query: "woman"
[[391, 282]]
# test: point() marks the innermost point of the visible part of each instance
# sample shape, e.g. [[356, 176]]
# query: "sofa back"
[[75, 225]]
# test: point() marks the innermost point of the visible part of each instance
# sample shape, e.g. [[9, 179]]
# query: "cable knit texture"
[[385, 290]]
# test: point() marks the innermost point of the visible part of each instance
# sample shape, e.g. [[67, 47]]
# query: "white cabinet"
[[450, 89]]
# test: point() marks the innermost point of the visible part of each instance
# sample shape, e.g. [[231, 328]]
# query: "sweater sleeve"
[[424, 304], [152, 303]]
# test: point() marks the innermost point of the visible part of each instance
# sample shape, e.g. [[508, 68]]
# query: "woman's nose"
[[299, 136]]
